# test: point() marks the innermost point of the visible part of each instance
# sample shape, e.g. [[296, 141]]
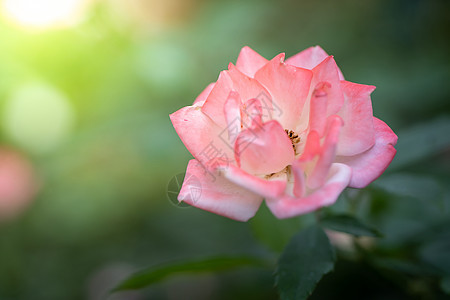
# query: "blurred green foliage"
[[102, 211]]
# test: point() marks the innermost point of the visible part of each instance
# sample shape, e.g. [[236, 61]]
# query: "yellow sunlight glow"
[[43, 13]]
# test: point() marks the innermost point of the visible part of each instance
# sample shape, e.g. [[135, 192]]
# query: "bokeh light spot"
[[164, 64], [43, 13], [18, 183], [38, 117]]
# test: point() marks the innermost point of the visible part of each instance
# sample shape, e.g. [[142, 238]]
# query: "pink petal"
[[249, 61], [369, 165], [214, 104], [273, 187], [326, 155], [309, 59], [288, 206], [240, 116], [318, 109], [264, 150], [233, 80], [217, 194], [247, 87], [201, 136], [325, 81], [358, 133], [299, 188], [328, 72], [312, 147], [232, 107], [232, 112], [289, 88], [204, 94], [252, 113]]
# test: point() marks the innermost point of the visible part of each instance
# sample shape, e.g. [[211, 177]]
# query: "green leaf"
[[421, 141], [157, 273], [307, 257], [349, 224], [272, 232]]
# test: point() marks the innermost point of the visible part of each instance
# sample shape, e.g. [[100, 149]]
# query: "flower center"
[[295, 139]]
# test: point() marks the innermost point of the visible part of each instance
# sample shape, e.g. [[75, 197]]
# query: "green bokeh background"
[[102, 210]]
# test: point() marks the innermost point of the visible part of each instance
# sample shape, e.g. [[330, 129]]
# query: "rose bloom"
[[293, 132]]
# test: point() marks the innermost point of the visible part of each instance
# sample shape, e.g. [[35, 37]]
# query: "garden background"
[[85, 93]]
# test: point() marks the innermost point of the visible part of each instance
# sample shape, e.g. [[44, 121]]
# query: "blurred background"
[[87, 149]]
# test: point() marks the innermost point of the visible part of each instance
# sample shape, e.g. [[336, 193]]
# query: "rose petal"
[[203, 138], [247, 87], [369, 165], [204, 94], [298, 174], [232, 112], [217, 194], [288, 206], [358, 133], [251, 113], [249, 61], [328, 72], [264, 150], [312, 147], [318, 109], [214, 103], [272, 187], [325, 80], [289, 88], [310, 58], [327, 154]]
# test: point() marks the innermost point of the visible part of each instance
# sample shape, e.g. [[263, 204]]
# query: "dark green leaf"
[[273, 232], [307, 257], [157, 273], [349, 224]]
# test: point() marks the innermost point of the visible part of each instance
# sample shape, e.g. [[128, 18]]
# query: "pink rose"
[[292, 132]]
